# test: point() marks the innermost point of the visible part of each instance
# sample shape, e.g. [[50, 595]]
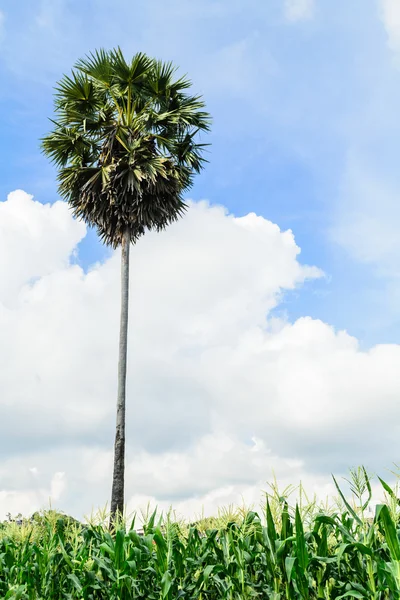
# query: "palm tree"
[[125, 143]]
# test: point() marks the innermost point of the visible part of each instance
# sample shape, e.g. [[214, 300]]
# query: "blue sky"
[[295, 98]]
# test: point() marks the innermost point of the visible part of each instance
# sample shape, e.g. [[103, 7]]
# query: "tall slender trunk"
[[117, 496]]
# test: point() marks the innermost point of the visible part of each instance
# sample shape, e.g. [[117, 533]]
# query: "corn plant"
[[285, 551]]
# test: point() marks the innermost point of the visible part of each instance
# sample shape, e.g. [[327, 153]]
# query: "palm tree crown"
[[125, 143]]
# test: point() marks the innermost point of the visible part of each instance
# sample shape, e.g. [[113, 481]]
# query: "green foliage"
[[125, 143], [300, 552]]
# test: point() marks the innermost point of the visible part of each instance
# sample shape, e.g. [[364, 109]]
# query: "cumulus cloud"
[[299, 10], [35, 240], [220, 392], [33, 498]]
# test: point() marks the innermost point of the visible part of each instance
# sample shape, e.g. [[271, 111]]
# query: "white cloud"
[[219, 394], [35, 239], [390, 10], [28, 500], [299, 10]]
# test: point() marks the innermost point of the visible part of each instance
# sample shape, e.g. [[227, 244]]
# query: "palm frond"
[[125, 141], [97, 66]]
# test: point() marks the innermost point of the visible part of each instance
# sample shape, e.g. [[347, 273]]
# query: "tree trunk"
[[117, 496]]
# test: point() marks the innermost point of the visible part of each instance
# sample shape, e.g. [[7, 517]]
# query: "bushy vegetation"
[[303, 551]]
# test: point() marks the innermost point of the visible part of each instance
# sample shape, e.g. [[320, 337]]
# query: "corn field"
[[304, 551]]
